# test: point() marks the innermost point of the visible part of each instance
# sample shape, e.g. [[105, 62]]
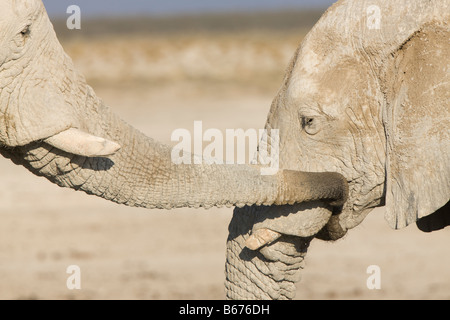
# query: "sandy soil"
[[129, 253]]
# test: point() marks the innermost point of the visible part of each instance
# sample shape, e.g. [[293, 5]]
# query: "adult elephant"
[[366, 95], [52, 123]]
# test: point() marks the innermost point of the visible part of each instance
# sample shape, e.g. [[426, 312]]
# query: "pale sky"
[[163, 7]]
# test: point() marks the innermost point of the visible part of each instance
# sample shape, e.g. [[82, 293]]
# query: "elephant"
[[53, 124], [365, 95]]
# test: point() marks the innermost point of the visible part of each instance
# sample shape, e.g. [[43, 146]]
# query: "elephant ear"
[[417, 124]]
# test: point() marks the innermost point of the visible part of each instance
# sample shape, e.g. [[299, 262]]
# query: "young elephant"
[[366, 95]]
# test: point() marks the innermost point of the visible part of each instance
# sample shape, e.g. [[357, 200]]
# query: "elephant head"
[[366, 95]]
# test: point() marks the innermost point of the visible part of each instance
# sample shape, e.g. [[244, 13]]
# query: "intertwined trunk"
[[271, 272]]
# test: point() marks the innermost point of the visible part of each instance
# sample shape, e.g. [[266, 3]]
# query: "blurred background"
[[57, 8], [222, 41], [161, 66]]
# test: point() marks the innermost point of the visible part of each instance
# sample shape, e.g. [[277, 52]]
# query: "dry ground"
[[127, 253]]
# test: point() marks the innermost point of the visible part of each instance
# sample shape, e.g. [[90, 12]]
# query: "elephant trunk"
[[142, 174], [268, 274]]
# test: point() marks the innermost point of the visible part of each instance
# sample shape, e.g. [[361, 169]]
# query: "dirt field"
[[127, 253]]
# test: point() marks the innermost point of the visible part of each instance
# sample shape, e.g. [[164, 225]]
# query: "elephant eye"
[[310, 125], [25, 31], [22, 37]]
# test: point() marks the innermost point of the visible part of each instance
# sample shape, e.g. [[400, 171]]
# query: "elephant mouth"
[[308, 219], [316, 216]]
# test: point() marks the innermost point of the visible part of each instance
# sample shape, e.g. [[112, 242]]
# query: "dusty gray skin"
[[371, 104]]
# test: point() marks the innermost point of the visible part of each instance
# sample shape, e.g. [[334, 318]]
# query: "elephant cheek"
[[34, 114]]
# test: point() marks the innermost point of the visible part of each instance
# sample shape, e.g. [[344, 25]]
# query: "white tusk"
[[83, 144], [260, 238]]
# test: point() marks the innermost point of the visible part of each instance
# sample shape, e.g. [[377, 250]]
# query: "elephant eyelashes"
[[310, 125]]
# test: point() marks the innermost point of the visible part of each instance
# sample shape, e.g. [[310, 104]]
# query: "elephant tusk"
[[260, 238], [81, 143]]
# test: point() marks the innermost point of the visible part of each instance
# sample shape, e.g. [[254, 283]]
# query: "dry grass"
[[249, 57], [251, 48]]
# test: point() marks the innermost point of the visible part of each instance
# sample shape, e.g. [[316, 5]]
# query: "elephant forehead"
[[301, 87], [329, 91], [6, 13], [326, 68], [312, 97], [305, 74], [25, 7]]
